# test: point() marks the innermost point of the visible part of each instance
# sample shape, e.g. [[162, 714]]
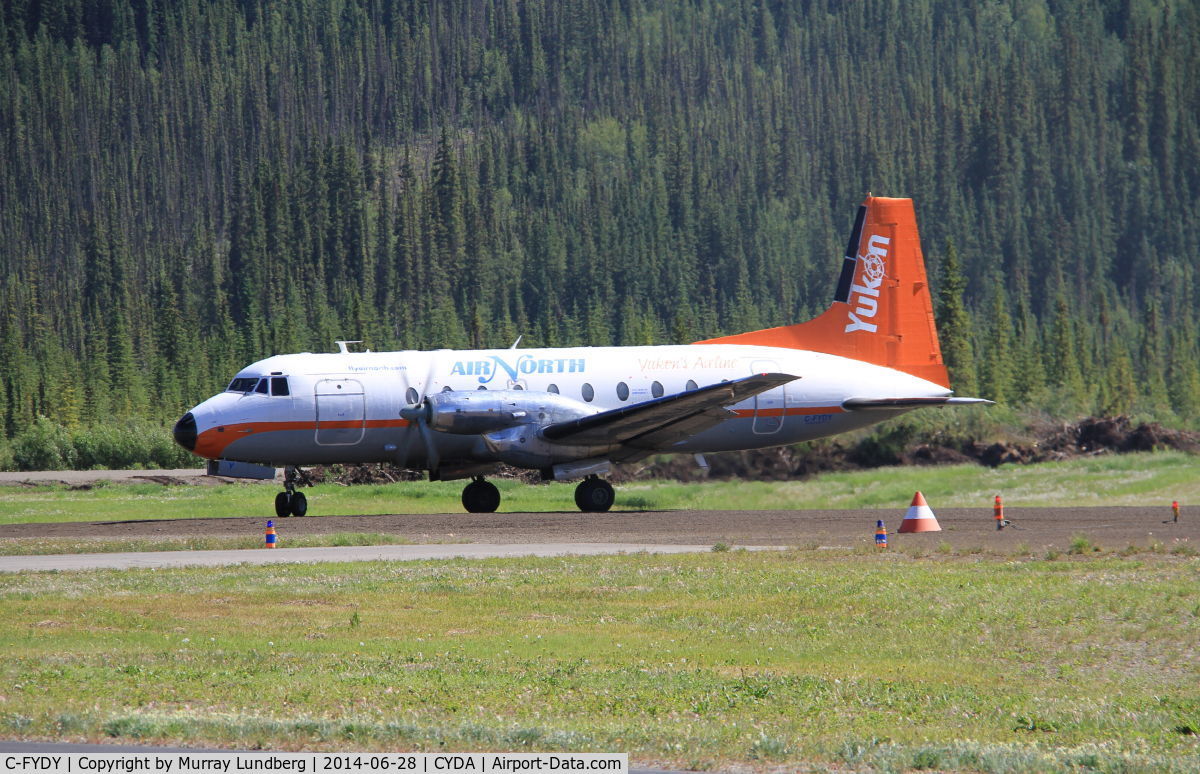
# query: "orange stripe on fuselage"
[[213, 442]]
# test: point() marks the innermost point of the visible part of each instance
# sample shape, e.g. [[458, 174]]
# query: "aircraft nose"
[[185, 432]]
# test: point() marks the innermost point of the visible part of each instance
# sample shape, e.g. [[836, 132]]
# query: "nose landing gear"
[[594, 495], [290, 502]]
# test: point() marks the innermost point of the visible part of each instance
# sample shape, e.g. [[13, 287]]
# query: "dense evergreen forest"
[[190, 185]]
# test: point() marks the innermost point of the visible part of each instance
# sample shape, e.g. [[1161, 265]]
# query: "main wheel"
[[299, 504], [594, 495], [283, 504], [481, 496]]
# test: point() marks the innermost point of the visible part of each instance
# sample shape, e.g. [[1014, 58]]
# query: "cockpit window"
[[267, 385], [243, 384]]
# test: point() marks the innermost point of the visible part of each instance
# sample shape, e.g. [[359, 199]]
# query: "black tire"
[[594, 495], [283, 505], [481, 497], [299, 504]]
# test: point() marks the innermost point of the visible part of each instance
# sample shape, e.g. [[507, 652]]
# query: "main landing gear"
[[481, 496], [593, 495], [290, 502]]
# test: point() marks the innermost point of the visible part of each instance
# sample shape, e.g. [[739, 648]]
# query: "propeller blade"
[[431, 452], [418, 422], [410, 432]]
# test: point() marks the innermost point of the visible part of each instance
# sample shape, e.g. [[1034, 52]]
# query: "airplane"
[[574, 412]]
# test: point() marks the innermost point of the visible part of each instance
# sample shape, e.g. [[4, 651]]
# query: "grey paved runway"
[[125, 561]]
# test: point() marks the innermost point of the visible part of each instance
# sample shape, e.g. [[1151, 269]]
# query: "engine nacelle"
[[525, 447], [484, 411]]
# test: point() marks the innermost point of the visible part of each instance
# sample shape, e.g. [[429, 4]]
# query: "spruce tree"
[[995, 368], [954, 324], [1118, 389], [1062, 353]]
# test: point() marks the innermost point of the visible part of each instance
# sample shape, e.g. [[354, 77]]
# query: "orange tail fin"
[[882, 311]]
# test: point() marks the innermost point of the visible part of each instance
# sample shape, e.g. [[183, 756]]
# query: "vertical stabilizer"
[[882, 310]]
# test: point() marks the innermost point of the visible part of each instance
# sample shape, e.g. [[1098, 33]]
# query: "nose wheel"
[[594, 495], [481, 496], [290, 502]]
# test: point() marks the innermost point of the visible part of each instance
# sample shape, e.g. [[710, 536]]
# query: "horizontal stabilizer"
[[662, 421], [892, 404]]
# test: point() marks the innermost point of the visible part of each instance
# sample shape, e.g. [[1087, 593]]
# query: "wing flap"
[[662, 421], [892, 404]]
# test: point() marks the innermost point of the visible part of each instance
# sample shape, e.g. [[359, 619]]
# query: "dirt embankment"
[[1053, 442], [1091, 436]]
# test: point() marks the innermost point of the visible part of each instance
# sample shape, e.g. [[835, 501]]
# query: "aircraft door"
[[769, 406], [341, 412]]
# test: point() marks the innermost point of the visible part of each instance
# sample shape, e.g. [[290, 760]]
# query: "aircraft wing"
[[658, 423]]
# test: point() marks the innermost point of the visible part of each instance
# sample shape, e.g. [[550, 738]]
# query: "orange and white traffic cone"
[[920, 517], [998, 512]]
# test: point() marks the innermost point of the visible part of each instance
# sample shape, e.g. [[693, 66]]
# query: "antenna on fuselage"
[[518, 341], [343, 349]]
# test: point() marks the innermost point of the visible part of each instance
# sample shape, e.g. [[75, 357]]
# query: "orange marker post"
[[270, 536], [880, 534], [1175, 510], [998, 510]]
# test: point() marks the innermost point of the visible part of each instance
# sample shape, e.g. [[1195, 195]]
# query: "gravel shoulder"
[[962, 528], [81, 477]]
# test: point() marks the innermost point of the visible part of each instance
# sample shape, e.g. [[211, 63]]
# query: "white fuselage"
[[345, 407]]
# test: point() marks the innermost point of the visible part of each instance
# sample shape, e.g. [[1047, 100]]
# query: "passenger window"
[[446, 388], [656, 389], [552, 388], [588, 392], [411, 397], [262, 386], [279, 386], [622, 391], [481, 387], [691, 385]]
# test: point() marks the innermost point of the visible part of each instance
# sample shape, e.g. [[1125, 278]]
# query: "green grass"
[[1130, 479], [118, 501], [38, 546], [850, 659]]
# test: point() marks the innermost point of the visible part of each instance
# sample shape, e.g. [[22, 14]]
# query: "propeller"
[[418, 416]]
